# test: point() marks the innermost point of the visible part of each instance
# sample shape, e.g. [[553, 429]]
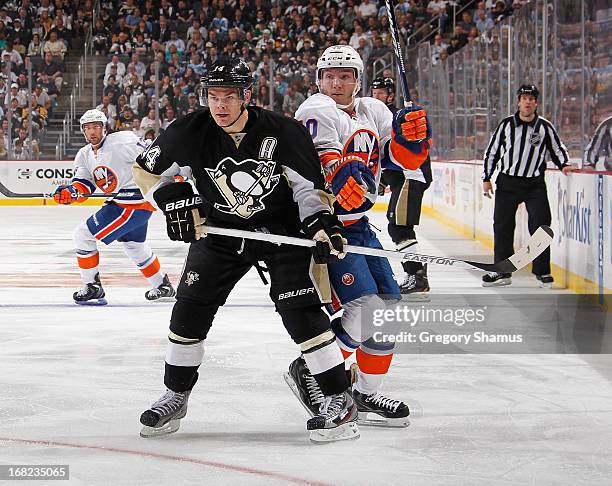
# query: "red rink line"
[[154, 455]]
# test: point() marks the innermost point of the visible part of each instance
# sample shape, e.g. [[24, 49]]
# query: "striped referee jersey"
[[600, 145], [520, 149]]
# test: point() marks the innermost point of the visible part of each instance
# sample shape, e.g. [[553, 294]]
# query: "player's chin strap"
[[352, 103]]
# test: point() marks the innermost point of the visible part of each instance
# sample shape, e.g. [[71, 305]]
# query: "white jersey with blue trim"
[[110, 168], [366, 132]]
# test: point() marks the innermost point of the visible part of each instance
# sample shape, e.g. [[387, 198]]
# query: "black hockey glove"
[[324, 228], [181, 207]]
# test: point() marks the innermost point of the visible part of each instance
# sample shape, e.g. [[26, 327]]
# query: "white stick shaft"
[[291, 240]]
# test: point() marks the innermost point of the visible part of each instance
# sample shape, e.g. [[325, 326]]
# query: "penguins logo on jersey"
[[244, 185], [105, 178], [364, 143]]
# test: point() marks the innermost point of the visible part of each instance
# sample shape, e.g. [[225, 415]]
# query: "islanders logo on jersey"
[[244, 185], [364, 143], [105, 178]]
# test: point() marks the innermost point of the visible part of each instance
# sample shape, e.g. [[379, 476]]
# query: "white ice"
[[74, 380]]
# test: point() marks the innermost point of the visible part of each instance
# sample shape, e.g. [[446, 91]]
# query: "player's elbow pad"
[[410, 155]]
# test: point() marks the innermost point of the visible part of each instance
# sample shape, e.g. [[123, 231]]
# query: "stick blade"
[[537, 243]]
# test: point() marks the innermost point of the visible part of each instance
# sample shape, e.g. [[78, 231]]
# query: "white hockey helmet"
[[91, 116], [340, 56]]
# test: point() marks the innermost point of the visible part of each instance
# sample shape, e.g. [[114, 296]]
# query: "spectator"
[[115, 61], [125, 118], [220, 23], [438, 46], [20, 152], [196, 26], [42, 97], [483, 22], [122, 45], [357, 34], [466, 21], [100, 36], [139, 66], [454, 46], [116, 76], [14, 56], [149, 120], [55, 46], [169, 117], [184, 14], [161, 31], [366, 9], [111, 90], [35, 47], [19, 34], [108, 107], [292, 100], [16, 94], [49, 85], [175, 41], [3, 151], [62, 32]]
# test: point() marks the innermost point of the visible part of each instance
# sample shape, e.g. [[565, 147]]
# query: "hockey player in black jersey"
[[254, 170]]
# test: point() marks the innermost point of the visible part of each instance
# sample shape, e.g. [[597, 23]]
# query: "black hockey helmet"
[[386, 83], [227, 73], [528, 89]]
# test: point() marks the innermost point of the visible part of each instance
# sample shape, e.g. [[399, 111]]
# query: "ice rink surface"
[[75, 379]]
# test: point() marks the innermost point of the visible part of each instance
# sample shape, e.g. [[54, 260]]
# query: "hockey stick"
[[8, 193], [397, 47], [537, 243]]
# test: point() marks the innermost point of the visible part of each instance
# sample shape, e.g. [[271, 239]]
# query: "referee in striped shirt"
[[519, 149]]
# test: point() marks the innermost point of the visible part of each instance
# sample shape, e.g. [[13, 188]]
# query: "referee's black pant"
[[511, 191]]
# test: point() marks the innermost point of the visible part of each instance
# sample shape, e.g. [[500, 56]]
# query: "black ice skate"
[[416, 285], [304, 386], [165, 290], [545, 281], [495, 279], [164, 416], [336, 420], [378, 410], [91, 293]]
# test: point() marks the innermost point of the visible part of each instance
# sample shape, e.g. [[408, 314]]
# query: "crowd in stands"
[[35, 36], [178, 40]]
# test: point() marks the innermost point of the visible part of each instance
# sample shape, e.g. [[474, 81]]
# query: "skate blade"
[[416, 297], [546, 285], [162, 299], [370, 419], [348, 431], [92, 302], [499, 283], [294, 389], [168, 428]]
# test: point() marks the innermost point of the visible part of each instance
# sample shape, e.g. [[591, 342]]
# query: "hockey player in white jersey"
[[356, 137], [105, 163]]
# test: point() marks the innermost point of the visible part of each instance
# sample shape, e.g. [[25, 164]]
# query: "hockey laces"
[[384, 402], [314, 392], [332, 405], [410, 281], [85, 290], [156, 292], [170, 402]]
